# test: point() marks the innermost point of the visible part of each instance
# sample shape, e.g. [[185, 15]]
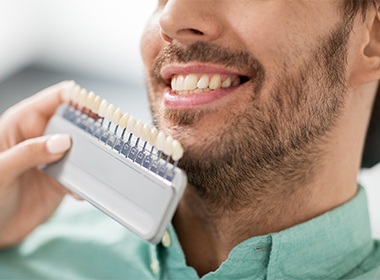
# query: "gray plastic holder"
[[141, 200]]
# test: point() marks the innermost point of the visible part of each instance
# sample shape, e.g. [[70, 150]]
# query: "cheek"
[[151, 42]]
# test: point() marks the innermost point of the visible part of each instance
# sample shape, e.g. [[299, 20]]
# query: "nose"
[[187, 21]]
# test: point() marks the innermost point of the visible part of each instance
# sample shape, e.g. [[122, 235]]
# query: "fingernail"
[[58, 144]]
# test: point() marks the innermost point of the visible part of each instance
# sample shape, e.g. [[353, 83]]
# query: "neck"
[[208, 233]]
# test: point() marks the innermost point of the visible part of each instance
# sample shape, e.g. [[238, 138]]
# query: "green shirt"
[[89, 245]]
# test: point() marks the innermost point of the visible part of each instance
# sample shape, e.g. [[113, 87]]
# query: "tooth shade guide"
[[90, 100], [75, 94], [168, 146], [165, 183], [124, 121], [152, 136], [103, 108], [131, 124], [94, 106], [160, 141], [145, 132], [177, 150], [109, 112], [82, 100], [137, 131], [117, 116]]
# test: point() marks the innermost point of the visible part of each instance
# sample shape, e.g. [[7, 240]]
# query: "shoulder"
[[370, 267], [79, 244]]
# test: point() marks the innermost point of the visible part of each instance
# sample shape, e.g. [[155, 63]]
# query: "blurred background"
[[94, 42]]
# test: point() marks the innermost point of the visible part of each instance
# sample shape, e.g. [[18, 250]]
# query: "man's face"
[[264, 82]]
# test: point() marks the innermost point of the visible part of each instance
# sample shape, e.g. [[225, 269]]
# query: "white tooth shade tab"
[[96, 104], [160, 141], [109, 113], [75, 94], [117, 116], [90, 100], [103, 108], [83, 97], [177, 150], [168, 148], [137, 131], [123, 123], [152, 136], [145, 132], [131, 124], [68, 92]]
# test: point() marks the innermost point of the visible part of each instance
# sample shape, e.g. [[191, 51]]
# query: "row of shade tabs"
[[95, 104]]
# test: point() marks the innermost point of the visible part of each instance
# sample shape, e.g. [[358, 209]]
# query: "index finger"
[[28, 118], [47, 100]]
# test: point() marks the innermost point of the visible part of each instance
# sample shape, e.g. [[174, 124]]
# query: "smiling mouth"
[[200, 83]]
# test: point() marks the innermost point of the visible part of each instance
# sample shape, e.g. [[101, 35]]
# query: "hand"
[[27, 196]]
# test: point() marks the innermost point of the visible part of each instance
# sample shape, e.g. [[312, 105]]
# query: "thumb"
[[33, 152]]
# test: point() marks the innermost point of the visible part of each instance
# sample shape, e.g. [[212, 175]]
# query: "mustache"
[[242, 61]]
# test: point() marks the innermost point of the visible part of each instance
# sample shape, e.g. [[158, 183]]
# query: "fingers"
[[31, 153], [46, 101], [28, 119]]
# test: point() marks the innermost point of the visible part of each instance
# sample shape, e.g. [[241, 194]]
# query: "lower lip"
[[190, 101]]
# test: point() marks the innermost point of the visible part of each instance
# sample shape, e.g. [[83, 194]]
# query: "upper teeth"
[[201, 83]]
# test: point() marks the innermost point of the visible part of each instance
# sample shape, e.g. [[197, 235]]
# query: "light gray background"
[[94, 42]]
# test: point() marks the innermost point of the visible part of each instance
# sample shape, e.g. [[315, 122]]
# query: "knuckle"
[[32, 150]]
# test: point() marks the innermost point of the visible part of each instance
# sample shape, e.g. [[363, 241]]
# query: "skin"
[[308, 175], [27, 196], [210, 222]]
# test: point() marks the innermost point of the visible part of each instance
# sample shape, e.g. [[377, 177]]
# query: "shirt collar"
[[328, 246]]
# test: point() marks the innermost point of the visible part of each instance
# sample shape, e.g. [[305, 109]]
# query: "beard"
[[273, 146]]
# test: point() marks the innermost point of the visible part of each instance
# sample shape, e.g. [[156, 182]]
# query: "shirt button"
[[155, 267], [166, 239]]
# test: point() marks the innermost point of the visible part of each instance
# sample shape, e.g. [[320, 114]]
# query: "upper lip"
[[167, 72]]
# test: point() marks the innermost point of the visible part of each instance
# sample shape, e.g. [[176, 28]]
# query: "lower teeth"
[[196, 91]]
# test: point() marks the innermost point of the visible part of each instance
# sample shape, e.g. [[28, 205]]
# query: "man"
[[271, 100]]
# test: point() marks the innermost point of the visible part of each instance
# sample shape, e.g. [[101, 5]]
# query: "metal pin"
[[143, 148], [157, 160], [166, 163], [175, 164], [130, 137], [137, 142], [122, 134], [116, 128]]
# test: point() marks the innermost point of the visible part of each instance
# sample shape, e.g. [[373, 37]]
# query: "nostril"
[[195, 31], [165, 36]]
